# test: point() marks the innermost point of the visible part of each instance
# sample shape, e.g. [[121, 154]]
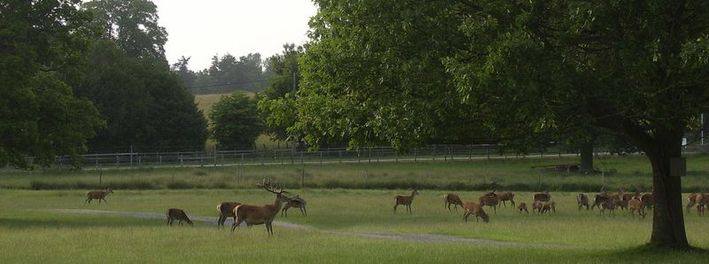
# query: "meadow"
[[512, 174], [342, 226]]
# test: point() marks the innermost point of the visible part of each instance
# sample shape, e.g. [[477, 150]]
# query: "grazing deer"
[[542, 197], [226, 210], [608, 205], [490, 199], [257, 215], [600, 199], [522, 207], [582, 201], [548, 207], [405, 200], [692, 200], [636, 206], [537, 206], [507, 196], [98, 195], [701, 206], [648, 200], [475, 209], [452, 199], [177, 214], [296, 202]]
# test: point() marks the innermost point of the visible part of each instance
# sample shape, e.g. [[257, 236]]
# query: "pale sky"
[[202, 28]]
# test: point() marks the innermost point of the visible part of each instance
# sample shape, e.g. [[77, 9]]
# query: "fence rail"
[[290, 156]]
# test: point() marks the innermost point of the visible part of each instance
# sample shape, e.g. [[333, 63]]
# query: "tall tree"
[[373, 75], [277, 102], [181, 68], [132, 24], [235, 122], [40, 42], [639, 69]]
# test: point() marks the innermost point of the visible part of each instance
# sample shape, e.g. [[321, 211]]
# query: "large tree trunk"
[[668, 221], [587, 157]]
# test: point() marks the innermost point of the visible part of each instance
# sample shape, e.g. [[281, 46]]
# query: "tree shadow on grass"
[[75, 223], [651, 254]]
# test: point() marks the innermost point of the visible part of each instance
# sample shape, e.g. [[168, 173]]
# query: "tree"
[[235, 122], [132, 25], [40, 42], [183, 71], [229, 73], [277, 102], [636, 69], [373, 74], [146, 105]]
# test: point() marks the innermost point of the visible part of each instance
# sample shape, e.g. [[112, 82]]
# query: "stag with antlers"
[[257, 215]]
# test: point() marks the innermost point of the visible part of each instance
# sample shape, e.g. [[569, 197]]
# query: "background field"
[[512, 174], [339, 228]]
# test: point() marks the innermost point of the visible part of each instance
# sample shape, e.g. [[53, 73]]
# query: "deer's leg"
[[302, 210], [395, 207], [513, 202], [237, 222], [465, 216]]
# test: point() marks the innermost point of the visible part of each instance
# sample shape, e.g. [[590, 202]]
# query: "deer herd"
[[542, 203]]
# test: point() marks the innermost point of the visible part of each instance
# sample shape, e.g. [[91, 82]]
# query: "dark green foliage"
[[277, 103], [374, 75], [40, 43], [146, 106], [235, 122], [132, 25], [228, 73]]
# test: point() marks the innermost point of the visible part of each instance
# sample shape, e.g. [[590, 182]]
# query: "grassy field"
[[336, 230], [512, 174]]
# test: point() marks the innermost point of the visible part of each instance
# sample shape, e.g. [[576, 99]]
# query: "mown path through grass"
[[410, 237]]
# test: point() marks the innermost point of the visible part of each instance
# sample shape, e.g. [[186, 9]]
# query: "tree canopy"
[[637, 69], [373, 74], [40, 46], [235, 122]]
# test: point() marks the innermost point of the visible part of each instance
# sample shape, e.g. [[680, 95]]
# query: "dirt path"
[[411, 237]]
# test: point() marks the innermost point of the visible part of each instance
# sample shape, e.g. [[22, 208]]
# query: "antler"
[[267, 185]]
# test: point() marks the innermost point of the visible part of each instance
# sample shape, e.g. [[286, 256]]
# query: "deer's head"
[[278, 191]]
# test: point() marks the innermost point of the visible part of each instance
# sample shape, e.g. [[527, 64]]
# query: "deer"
[[490, 199], [507, 196], [648, 200], [98, 195], [296, 202], [542, 197], [452, 199], [177, 214], [582, 201], [636, 206], [226, 210], [537, 206], [522, 207], [548, 207], [405, 200], [694, 198], [475, 209], [600, 199], [257, 215]]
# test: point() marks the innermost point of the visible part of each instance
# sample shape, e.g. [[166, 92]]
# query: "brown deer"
[[537, 206], [522, 207], [226, 210], [582, 201], [98, 195], [177, 214], [600, 199], [296, 202], [475, 209], [490, 199], [548, 207], [452, 199], [507, 196], [405, 200], [648, 200], [257, 215], [694, 198], [542, 197], [636, 207]]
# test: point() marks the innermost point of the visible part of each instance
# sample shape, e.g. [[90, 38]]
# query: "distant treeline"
[[225, 74]]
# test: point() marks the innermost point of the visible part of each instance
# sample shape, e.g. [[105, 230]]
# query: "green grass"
[[512, 174], [31, 233]]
